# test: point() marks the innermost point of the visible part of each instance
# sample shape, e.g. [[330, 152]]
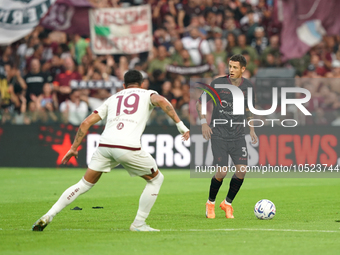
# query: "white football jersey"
[[127, 113]]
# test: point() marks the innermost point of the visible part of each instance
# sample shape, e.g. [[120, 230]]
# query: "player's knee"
[[219, 179], [158, 179], [84, 186], [240, 175]]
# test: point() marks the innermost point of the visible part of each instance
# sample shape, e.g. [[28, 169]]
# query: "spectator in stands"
[[260, 41], [220, 55], [166, 92], [162, 37], [35, 80], [229, 27], [191, 33], [177, 90], [221, 70], [160, 62], [62, 81], [79, 47], [48, 99], [32, 115], [216, 34], [231, 38], [46, 104], [310, 72], [270, 60], [273, 48], [186, 11], [197, 47], [251, 66], [49, 47], [249, 26], [320, 118], [25, 50], [185, 58], [176, 55], [242, 46], [95, 100], [17, 89], [5, 95], [336, 122], [56, 66], [38, 51], [7, 56], [157, 81], [73, 110], [210, 60], [336, 68], [64, 51], [160, 9], [319, 66], [185, 99]]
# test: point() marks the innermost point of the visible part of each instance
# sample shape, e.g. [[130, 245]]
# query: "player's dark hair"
[[239, 58], [133, 77]]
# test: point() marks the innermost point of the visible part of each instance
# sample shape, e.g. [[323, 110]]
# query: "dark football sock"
[[235, 185], [214, 188]]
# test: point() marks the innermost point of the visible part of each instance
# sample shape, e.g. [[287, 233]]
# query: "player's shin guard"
[[148, 198], [214, 188], [69, 196], [235, 185]]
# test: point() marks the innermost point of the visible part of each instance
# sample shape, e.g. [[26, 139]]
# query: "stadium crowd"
[[35, 72]]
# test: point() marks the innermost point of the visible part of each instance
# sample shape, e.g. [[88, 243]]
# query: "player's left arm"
[[167, 107], [81, 133], [252, 133]]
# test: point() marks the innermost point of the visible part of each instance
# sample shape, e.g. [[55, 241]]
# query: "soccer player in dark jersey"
[[228, 138]]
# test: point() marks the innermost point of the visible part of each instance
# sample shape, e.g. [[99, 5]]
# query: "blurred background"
[[61, 59], [36, 71]]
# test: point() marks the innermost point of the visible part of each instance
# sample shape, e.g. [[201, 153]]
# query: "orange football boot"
[[228, 210]]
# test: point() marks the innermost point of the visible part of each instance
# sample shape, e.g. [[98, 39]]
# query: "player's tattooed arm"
[[82, 131], [166, 106], [79, 136], [83, 128], [169, 110]]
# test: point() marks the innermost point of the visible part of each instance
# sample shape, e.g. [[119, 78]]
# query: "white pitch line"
[[254, 229], [199, 230]]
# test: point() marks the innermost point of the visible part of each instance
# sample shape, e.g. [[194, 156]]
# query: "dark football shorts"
[[237, 150]]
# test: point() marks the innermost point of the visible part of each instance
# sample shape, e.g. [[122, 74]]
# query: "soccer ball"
[[264, 209]]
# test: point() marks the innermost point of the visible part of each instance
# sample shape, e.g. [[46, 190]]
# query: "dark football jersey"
[[224, 112]]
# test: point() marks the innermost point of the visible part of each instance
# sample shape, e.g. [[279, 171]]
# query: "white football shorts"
[[137, 162]]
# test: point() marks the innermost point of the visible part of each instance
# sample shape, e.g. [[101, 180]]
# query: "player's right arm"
[[206, 130], [81, 133], [167, 107]]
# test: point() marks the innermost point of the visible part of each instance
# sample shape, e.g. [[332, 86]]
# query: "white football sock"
[[69, 196], [148, 198], [227, 203], [210, 202]]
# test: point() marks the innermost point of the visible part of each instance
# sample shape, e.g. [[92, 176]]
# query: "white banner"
[[19, 17], [121, 30]]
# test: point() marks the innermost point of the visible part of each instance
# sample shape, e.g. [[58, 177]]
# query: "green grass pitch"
[[307, 219]]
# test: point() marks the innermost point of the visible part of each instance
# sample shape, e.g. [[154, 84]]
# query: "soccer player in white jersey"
[[127, 113]]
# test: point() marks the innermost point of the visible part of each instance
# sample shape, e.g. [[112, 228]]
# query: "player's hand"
[[186, 136], [69, 155], [206, 131], [253, 136]]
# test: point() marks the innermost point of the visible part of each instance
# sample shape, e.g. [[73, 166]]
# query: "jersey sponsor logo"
[[120, 125], [204, 96]]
